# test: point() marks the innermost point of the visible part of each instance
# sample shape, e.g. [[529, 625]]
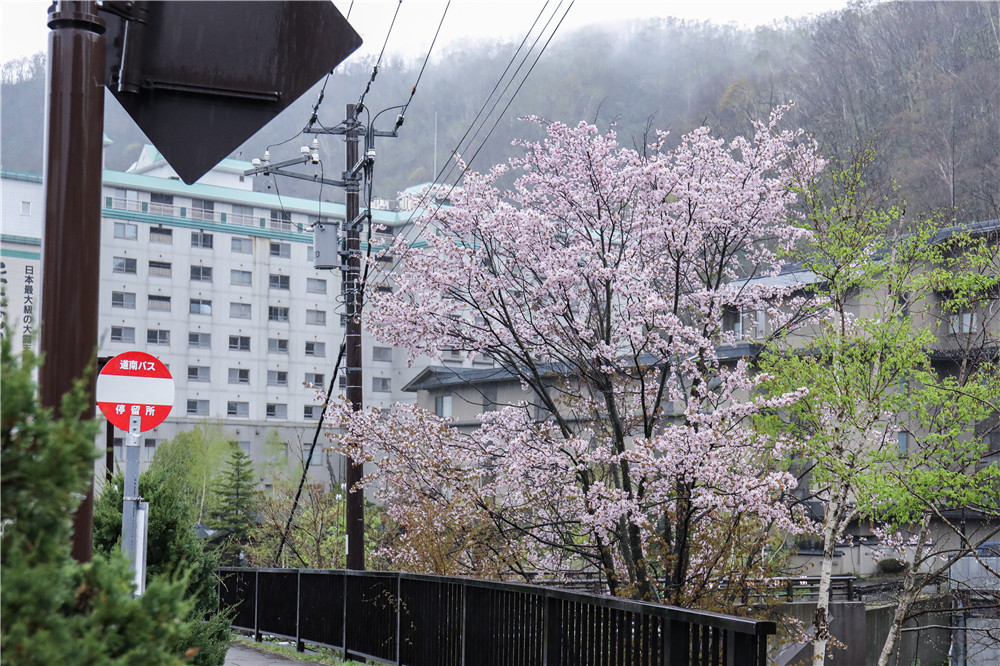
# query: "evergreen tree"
[[236, 504], [54, 610], [174, 551]]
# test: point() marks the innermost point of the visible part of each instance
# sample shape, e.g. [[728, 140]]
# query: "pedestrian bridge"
[[419, 620]]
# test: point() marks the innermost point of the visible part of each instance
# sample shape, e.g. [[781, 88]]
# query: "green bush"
[[891, 565], [54, 610], [174, 552]]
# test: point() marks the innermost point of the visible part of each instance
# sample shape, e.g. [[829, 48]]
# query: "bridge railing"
[[400, 618]]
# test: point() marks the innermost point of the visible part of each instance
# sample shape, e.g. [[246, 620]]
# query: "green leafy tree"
[[195, 457], [174, 552], [54, 610], [236, 504], [884, 431]]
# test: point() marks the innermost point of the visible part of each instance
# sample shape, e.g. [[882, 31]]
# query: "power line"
[[361, 101], [447, 169], [413, 91], [308, 461]]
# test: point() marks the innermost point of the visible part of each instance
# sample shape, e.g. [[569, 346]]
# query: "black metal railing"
[[419, 620]]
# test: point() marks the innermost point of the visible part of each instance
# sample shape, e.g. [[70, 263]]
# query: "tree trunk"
[[821, 619], [907, 596]]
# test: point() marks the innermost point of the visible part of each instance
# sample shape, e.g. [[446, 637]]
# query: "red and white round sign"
[[135, 384]]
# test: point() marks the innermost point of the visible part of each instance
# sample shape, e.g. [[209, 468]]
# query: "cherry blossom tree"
[[599, 280]]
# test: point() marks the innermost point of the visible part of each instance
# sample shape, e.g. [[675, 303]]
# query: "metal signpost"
[[135, 391]]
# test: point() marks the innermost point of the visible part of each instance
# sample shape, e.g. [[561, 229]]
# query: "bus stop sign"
[[135, 384]]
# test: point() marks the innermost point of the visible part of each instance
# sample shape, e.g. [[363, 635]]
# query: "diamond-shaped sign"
[[202, 77]]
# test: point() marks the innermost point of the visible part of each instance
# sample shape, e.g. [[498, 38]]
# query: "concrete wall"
[[863, 631]]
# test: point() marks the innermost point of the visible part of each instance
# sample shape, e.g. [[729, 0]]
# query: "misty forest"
[[916, 83]]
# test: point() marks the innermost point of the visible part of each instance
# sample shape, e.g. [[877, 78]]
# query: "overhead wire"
[[378, 62], [446, 170], [427, 57], [307, 463]]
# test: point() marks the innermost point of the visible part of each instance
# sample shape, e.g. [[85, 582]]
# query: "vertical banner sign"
[[136, 393]]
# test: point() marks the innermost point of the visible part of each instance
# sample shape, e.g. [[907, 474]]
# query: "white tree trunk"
[[831, 532]]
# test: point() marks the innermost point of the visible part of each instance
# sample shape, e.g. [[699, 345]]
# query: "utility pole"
[[349, 262], [355, 509], [73, 145]]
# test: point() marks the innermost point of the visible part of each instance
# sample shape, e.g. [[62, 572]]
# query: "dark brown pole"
[[70, 265], [355, 510], [109, 434]]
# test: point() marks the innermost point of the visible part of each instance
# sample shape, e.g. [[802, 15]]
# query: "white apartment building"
[[217, 281]]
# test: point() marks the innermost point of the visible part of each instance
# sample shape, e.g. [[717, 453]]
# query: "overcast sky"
[[24, 30]]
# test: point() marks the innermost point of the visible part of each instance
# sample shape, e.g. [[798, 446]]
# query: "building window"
[[383, 354], [126, 231], [161, 204], [442, 406], [315, 286], [201, 239], [242, 215], [281, 220], [122, 334], [381, 385], [160, 235], [240, 278], [197, 407], [317, 317], [202, 209], [201, 273], [490, 392], [239, 376], [198, 373], [160, 268], [384, 289], [241, 409], [200, 340], [283, 250], [277, 378], [965, 321], [277, 345], [315, 379], [277, 281], [123, 265], [200, 306], [157, 336], [277, 313], [239, 310], [244, 445], [315, 349], [277, 410], [312, 412], [242, 245], [310, 254], [25, 208], [123, 299], [148, 449], [239, 343], [159, 303]]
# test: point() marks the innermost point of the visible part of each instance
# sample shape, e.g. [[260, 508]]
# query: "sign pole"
[[135, 392], [130, 494]]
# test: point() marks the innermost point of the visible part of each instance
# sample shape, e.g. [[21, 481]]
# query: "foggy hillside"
[[919, 82]]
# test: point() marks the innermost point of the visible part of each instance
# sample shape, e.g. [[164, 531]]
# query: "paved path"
[[241, 655]]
